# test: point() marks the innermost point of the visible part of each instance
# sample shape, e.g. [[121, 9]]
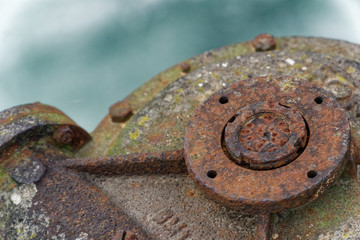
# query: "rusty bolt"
[[27, 171], [185, 67], [125, 235], [120, 111], [264, 42], [64, 135]]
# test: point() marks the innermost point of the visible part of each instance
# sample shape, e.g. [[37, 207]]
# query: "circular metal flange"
[[265, 135], [209, 153]]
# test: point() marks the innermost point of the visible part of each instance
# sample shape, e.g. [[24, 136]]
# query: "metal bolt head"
[[264, 42], [64, 135], [185, 67], [28, 170], [120, 111]]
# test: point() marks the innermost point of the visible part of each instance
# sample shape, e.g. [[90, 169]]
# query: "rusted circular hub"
[[265, 135], [286, 126]]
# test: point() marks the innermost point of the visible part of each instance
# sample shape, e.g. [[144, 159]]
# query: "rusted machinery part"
[[23, 124], [35, 138], [143, 163], [264, 153], [263, 231], [283, 186], [39, 119], [150, 144], [265, 135]]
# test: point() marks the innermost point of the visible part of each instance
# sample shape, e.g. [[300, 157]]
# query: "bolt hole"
[[311, 174], [319, 100], [211, 174], [223, 100], [232, 119]]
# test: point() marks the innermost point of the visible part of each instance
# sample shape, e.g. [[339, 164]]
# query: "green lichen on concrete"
[[52, 118], [134, 135], [340, 203], [143, 120], [350, 70], [6, 182], [22, 222], [178, 96], [341, 78], [148, 90]]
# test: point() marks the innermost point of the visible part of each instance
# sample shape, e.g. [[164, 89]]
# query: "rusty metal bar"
[[140, 163], [263, 231]]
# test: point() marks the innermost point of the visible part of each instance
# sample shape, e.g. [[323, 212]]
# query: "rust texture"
[[120, 111], [264, 42], [34, 144], [291, 185], [264, 227], [163, 162], [265, 135], [64, 135], [76, 206]]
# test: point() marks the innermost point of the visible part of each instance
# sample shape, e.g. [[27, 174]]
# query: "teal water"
[[82, 56]]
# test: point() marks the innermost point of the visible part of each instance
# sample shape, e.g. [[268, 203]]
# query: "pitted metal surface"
[[282, 186], [265, 135]]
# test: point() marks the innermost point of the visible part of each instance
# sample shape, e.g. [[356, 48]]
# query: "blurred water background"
[[81, 56]]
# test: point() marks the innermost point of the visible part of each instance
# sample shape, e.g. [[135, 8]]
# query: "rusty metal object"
[[281, 186], [185, 67], [130, 181], [264, 227], [76, 200], [28, 170], [264, 42], [155, 163], [265, 135], [36, 118], [64, 135], [120, 111]]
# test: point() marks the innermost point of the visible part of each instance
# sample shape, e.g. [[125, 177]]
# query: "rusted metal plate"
[[265, 135], [275, 189]]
